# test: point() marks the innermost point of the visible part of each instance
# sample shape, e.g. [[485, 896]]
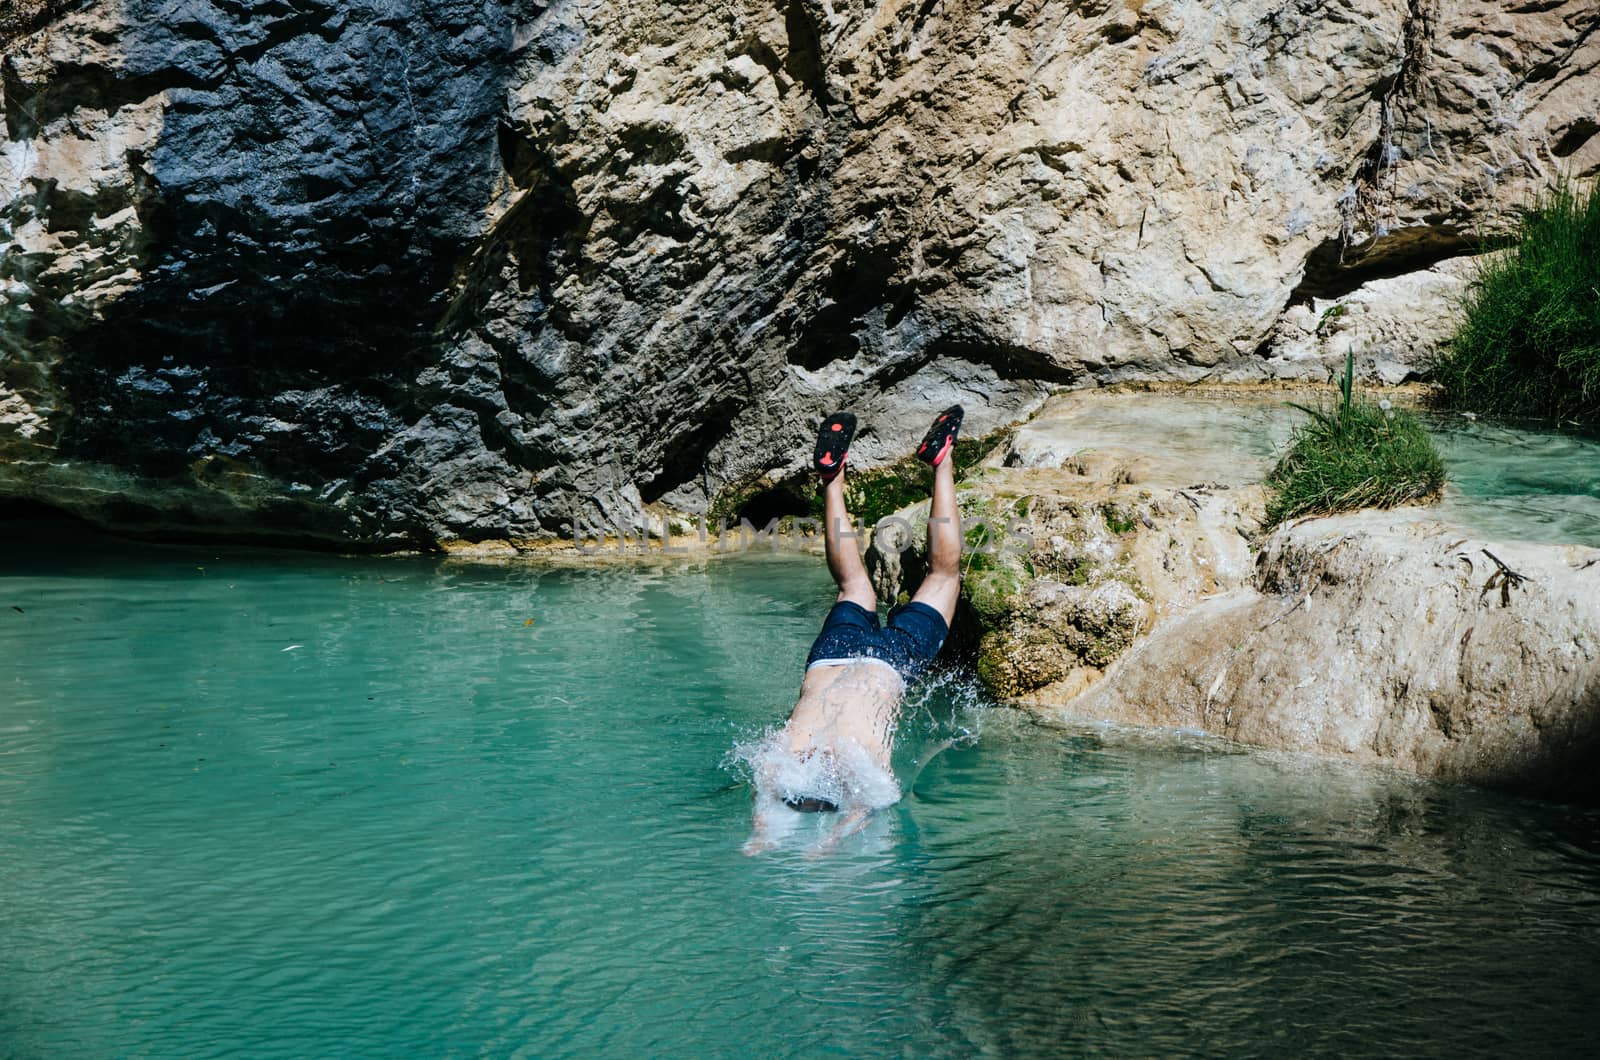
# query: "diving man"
[[833, 755]]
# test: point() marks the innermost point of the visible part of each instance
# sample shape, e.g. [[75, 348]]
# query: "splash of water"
[[943, 711], [845, 776]]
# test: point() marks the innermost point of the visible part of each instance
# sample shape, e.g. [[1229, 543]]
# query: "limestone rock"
[[1394, 326], [435, 271], [227, 234], [1388, 637], [1146, 596], [1069, 630]]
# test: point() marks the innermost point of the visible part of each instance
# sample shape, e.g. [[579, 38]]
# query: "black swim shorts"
[[912, 637]]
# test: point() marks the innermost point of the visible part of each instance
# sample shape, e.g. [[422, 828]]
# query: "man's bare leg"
[[844, 559], [942, 587]]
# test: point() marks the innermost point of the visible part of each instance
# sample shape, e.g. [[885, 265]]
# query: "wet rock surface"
[[453, 271], [232, 231]]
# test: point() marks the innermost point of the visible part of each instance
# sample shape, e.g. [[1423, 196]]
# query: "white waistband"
[[852, 661]]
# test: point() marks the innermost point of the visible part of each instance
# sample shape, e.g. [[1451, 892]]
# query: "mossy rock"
[[1044, 630], [994, 594], [1011, 664], [760, 499], [1118, 519], [878, 493], [875, 493]]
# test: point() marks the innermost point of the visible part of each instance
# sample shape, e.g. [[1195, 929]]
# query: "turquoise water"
[[1510, 482], [285, 805]]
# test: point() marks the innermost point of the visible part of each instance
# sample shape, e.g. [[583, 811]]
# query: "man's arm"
[[852, 822], [760, 840], [766, 780]]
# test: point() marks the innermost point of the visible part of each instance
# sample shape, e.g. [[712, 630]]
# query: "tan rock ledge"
[[686, 542], [1386, 637]]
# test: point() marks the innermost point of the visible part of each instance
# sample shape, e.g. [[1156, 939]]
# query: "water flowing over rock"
[[432, 271]]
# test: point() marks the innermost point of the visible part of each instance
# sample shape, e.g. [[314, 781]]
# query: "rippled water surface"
[[1508, 482], [267, 805]]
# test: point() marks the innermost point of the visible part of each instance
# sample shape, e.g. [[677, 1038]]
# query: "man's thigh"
[[940, 592]]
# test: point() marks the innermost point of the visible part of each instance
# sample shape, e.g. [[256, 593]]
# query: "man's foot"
[[833, 445], [941, 437]]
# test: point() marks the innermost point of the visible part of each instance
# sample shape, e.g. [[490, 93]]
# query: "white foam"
[[846, 776]]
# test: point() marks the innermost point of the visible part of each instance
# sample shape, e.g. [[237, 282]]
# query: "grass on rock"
[[1356, 455], [1529, 341]]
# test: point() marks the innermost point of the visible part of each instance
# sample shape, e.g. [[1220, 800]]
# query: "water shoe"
[[941, 437], [833, 445]]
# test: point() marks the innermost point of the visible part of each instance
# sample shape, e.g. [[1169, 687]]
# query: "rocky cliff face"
[[441, 270]]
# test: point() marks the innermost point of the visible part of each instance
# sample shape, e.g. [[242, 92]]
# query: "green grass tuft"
[[1355, 455], [1529, 342]]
